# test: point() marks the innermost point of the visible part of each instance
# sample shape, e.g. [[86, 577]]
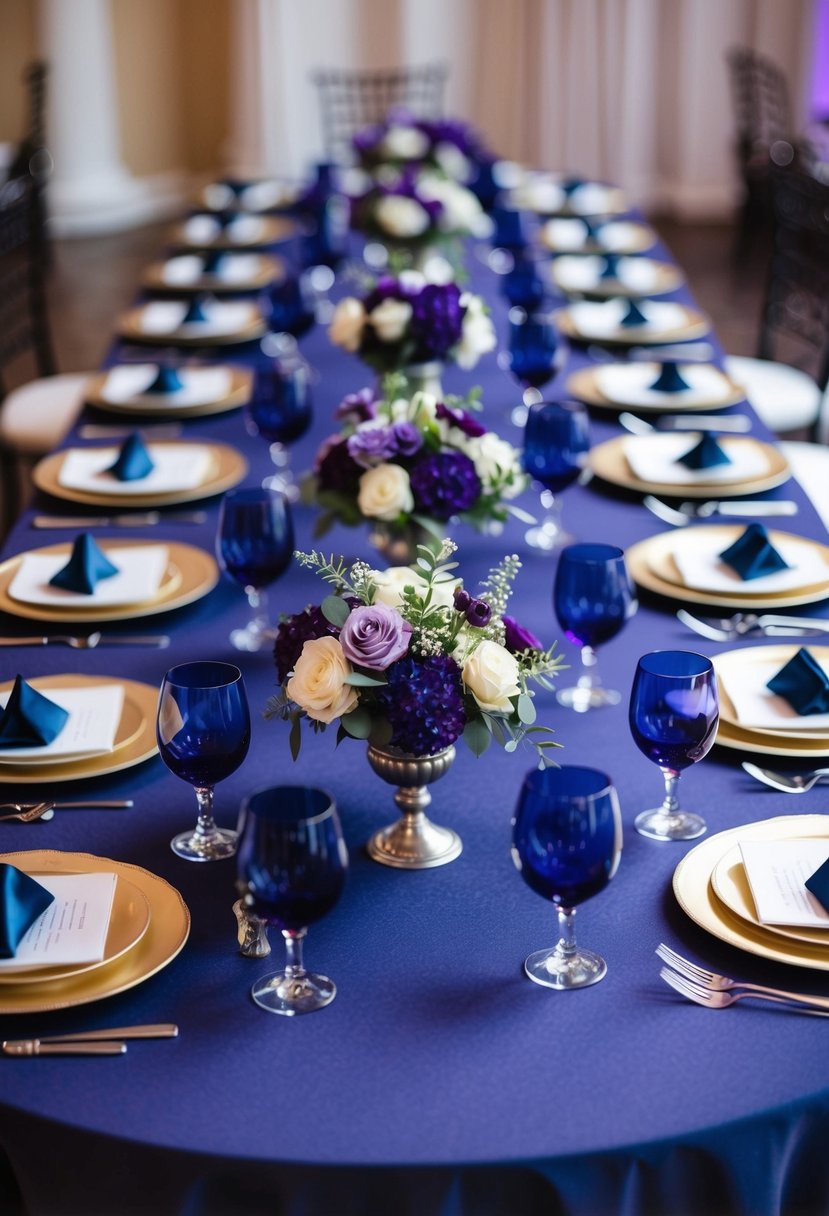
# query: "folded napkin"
[[818, 884], [669, 380], [141, 571], [633, 315], [195, 312], [134, 461], [593, 229], [632, 384], [93, 717], [695, 555], [610, 318], [223, 318], [22, 901], [610, 269], [87, 566], [213, 262], [194, 386], [30, 719], [175, 466], [657, 458], [571, 184], [167, 380], [803, 683], [752, 554], [705, 454]]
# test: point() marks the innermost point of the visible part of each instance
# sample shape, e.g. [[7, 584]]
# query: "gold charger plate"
[[273, 230], [269, 272], [731, 887], [166, 935], [582, 384], [695, 894], [227, 468], [667, 278], [730, 732], [128, 923], [608, 461], [696, 325], [642, 239], [651, 565], [241, 385], [129, 327], [135, 739], [191, 574]]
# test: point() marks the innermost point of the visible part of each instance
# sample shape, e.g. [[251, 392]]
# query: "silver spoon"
[[788, 783]]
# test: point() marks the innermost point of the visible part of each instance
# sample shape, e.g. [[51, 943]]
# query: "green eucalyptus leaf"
[[357, 723], [476, 736], [335, 610], [526, 709], [358, 679], [295, 737]]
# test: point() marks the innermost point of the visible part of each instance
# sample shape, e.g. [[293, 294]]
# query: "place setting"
[[630, 322], [673, 381], [218, 272], [251, 195], [157, 473], [229, 231], [552, 194], [200, 321], [583, 235], [775, 700], [170, 389], [603, 276]]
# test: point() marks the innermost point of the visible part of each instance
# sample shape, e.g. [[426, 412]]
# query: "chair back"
[[762, 112], [24, 324], [350, 100]]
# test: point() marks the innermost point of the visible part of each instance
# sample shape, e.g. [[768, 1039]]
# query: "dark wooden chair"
[[350, 100]]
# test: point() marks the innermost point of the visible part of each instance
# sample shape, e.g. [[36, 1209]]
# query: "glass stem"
[[258, 601], [279, 455], [589, 677], [670, 804], [552, 511], [205, 824], [566, 947], [293, 952]]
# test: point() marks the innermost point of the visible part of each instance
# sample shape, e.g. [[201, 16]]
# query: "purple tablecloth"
[[440, 1079]]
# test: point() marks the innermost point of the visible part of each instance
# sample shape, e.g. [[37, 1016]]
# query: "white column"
[[90, 189]]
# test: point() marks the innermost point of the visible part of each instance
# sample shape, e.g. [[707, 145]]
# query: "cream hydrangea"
[[318, 684], [491, 675], [389, 586], [385, 492]]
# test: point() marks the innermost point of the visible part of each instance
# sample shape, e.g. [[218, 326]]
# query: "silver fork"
[[711, 982], [719, 999], [743, 624], [788, 783], [687, 512], [91, 640], [43, 810]]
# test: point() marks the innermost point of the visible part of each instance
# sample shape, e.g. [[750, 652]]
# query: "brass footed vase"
[[414, 842]]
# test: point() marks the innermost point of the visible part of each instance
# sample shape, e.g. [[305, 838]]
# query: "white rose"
[[390, 319], [346, 328], [477, 334], [461, 210], [493, 459], [318, 684], [385, 492], [390, 583], [412, 280], [401, 217], [453, 162], [491, 675], [422, 407], [404, 143]]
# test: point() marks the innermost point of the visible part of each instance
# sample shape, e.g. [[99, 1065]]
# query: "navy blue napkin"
[[85, 568], [753, 555], [22, 901], [570, 185], [818, 884], [593, 229], [669, 380], [634, 315], [803, 683], [195, 311], [705, 454], [30, 719], [167, 380], [213, 261], [611, 266], [134, 461]]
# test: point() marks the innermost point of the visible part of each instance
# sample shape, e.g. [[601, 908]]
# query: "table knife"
[[754, 506], [737, 423], [140, 519], [160, 640], [34, 1047], [163, 430], [154, 1030]]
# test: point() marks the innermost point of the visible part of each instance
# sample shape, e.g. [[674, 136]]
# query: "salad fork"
[[713, 998], [711, 983], [788, 783]]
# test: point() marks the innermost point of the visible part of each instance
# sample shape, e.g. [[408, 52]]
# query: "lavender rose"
[[407, 438], [518, 638], [358, 407], [372, 444], [374, 636]]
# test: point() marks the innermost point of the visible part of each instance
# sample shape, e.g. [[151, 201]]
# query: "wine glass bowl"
[[279, 411], [593, 598], [566, 844], [291, 869], [556, 442], [533, 345], [203, 731], [255, 544], [674, 712]]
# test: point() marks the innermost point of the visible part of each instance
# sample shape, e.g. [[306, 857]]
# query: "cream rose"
[[346, 328], [390, 318], [491, 675], [477, 333], [401, 217], [318, 684], [389, 586], [385, 492], [461, 210], [404, 143]]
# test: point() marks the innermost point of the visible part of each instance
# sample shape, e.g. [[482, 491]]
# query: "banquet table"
[[440, 1080]]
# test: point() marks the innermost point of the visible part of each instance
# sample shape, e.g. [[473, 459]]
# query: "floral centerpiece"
[[411, 465], [408, 319], [417, 209], [451, 146]]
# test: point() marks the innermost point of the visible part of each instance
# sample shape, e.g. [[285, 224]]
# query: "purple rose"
[[374, 636], [518, 638], [371, 446], [445, 484], [437, 320], [479, 614], [358, 407], [462, 419], [407, 437]]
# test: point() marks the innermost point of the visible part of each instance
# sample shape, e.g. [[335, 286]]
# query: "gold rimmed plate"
[[652, 566], [227, 468], [584, 385], [132, 327], [135, 738], [695, 893], [166, 934], [609, 462], [691, 324], [267, 271], [731, 887], [734, 666], [239, 387], [191, 574], [269, 230], [573, 274], [128, 923]]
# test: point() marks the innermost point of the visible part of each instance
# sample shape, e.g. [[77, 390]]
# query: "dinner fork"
[[741, 624], [687, 512], [720, 999], [788, 783], [711, 983], [42, 810], [732, 423], [91, 640]]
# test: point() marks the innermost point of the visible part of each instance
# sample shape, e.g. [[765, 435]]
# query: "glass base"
[[583, 698], [255, 636], [213, 847], [548, 538], [555, 969], [292, 994], [659, 825]]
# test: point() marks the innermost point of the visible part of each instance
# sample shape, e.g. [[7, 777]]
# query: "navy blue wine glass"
[[556, 443], [291, 866], [566, 843], [203, 731], [279, 409], [533, 343], [255, 544], [674, 711], [593, 598]]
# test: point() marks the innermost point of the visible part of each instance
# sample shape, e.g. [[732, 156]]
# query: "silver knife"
[[140, 519], [155, 1030], [94, 430], [755, 506], [113, 639], [737, 423], [34, 1047]]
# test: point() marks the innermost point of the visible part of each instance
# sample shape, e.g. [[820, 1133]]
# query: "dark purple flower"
[[387, 288], [462, 599], [423, 701], [445, 484], [407, 437], [437, 320], [335, 469], [374, 636], [518, 637], [372, 445], [358, 407], [479, 614], [462, 419], [293, 633]]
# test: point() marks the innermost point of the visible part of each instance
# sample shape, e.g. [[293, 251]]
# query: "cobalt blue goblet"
[[255, 544], [289, 306], [279, 410], [593, 597], [203, 730], [556, 442], [674, 711], [291, 865], [566, 843]]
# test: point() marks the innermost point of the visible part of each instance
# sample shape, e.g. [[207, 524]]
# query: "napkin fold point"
[[803, 683], [611, 266], [22, 901], [818, 884], [30, 719], [85, 568], [752, 554], [705, 454], [167, 380], [133, 461], [669, 380], [195, 312], [633, 315]]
